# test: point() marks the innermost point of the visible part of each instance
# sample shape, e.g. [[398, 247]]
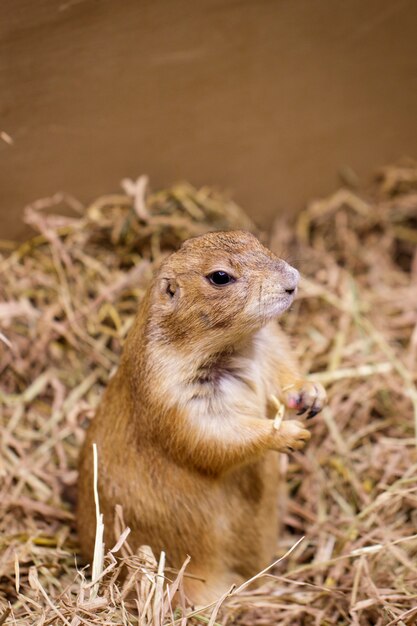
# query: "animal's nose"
[[291, 278], [288, 276]]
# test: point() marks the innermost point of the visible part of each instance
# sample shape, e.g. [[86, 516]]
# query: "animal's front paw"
[[305, 396], [291, 436]]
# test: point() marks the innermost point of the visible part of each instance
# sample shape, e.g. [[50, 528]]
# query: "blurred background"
[[272, 99]]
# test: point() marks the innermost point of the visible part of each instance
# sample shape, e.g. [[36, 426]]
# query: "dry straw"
[[347, 553]]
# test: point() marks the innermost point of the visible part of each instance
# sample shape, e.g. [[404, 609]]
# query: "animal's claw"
[[308, 397]]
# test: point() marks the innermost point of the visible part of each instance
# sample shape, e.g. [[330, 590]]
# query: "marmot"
[[184, 440]]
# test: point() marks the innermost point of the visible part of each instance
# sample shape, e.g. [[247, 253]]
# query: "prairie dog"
[[184, 443]]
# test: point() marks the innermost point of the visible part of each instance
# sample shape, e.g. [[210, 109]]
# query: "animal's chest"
[[246, 384], [238, 387]]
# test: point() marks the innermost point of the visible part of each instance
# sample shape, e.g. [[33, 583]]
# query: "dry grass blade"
[[98, 558]]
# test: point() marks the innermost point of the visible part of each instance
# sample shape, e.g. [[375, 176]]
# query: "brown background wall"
[[268, 98]]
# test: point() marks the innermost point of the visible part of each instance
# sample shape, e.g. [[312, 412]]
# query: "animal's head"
[[220, 287]]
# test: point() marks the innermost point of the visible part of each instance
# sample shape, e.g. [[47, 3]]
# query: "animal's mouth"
[[280, 303]]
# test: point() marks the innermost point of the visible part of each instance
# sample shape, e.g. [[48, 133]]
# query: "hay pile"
[[67, 300]]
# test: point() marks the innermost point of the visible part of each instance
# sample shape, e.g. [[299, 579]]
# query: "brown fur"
[[183, 440]]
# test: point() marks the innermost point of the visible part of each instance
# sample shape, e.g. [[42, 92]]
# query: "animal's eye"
[[220, 278]]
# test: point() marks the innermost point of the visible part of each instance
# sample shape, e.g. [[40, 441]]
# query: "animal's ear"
[[168, 288]]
